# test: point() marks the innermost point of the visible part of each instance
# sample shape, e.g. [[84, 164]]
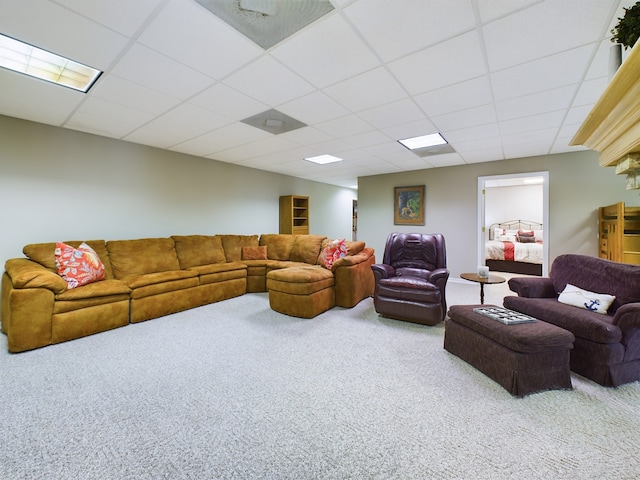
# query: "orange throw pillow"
[[78, 266]]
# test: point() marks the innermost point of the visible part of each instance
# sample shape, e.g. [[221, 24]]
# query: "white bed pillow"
[[577, 297]]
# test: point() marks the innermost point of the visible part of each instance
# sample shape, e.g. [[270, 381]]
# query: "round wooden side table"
[[490, 280]]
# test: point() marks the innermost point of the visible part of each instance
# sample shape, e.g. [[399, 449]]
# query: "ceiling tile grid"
[[498, 79]]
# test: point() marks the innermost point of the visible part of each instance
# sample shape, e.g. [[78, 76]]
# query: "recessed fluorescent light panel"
[[423, 141], [323, 159], [35, 62]]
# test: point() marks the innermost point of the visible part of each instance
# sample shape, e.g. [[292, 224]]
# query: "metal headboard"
[[514, 225]]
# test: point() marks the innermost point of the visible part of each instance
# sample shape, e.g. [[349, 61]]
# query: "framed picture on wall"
[[408, 205]]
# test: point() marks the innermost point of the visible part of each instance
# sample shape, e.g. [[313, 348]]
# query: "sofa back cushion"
[[597, 275], [196, 250], [306, 248], [233, 245], [145, 255], [44, 254], [278, 245]]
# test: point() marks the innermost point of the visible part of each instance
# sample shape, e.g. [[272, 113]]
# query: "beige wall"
[[577, 187], [58, 184]]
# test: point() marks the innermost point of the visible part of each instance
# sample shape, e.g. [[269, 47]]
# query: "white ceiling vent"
[[268, 22]]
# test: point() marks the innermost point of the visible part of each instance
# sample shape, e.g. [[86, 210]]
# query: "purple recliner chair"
[[410, 282]]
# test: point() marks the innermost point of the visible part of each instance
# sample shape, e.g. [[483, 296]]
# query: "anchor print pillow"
[[596, 302]]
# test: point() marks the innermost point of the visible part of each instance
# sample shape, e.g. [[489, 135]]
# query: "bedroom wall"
[[577, 187], [522, 202], [58, 184]]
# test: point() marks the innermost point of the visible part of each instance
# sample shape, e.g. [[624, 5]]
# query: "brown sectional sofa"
[[151, 277]]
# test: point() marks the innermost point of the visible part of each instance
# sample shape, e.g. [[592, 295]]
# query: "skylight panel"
[[323, 159], [35, 62], [423, 141]]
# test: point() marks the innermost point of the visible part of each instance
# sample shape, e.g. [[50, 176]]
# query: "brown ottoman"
[[301, 291], [523, 358]]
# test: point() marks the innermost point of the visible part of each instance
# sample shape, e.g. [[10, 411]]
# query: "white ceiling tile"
[[416, 24], [410, 129], [158, 72], [494, 9], [313, 108], [480, 155], [118, 90], [199, 119], [396, 113], [471, 117], [238, 134], [327, 52], [544, 138], [345, 126], [123, 16], [543, 29], [590, 91], [276, 84], [24, 97], [532, 122], [203, 145], [307, 136], [367, 90], [445, 160], [460, 96], [577, 115], [106, 118], [90, 43], [543, 102], [170, 131], [489, 130], [367, 139], [228, 102], [555, 71], [268, 145], [522, 150], [197, 39], [453, 61]]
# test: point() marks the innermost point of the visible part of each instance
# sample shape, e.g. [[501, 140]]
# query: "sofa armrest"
[[627, 318], [28, 274], [439, 276], [382, 270], [354, 278], [533, 287], [350, 260]]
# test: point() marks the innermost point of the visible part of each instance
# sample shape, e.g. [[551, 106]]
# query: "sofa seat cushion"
[[103, 288], [595, 327], [139, 281], [223, 276], [218, 268], [300, 281], [277, 265], [409, 288]]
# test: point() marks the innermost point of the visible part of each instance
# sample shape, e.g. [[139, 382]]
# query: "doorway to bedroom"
[[513, 221]]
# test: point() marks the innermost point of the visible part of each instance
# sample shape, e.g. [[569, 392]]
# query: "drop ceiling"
[[499, 79]]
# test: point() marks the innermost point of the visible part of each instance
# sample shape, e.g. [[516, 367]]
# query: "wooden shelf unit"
[[619, 233], [294, 214]]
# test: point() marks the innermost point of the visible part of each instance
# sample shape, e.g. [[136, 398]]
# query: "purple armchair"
[[607, 346], [410, 282]]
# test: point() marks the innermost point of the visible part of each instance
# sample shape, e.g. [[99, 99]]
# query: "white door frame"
[[545, 213]]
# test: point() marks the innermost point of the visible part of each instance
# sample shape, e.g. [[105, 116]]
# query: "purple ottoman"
[[524, 358]]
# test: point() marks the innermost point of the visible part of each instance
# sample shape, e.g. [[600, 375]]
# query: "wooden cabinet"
[[294, 214], [619, 233]]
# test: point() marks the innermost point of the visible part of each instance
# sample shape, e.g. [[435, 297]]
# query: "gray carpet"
[[235, 390]]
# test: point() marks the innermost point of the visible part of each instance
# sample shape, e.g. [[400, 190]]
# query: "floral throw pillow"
[[333, 251], [78, 266]]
